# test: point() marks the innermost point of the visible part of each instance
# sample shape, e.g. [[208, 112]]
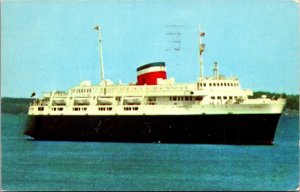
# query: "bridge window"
[[41, 109]]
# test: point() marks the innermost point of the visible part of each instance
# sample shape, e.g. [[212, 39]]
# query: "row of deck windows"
[[84, 108], [224, 97], [181, 98], [198, 98], [131, 89], [79, 109], [53, 109], [99, 108], [57, 109], [82, 90], [219, 84]]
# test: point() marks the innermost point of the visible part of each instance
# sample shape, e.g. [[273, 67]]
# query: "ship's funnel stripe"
[[151, 69], [151, 65]]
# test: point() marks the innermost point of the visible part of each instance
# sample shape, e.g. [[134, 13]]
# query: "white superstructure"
[[161, 96], [206, 96]]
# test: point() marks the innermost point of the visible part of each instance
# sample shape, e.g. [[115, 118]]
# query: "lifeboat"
[[81, 102], [104, 100], [133, 100], [59, 102]]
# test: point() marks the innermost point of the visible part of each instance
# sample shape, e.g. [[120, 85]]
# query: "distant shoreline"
[[20, 105], [15, 105]]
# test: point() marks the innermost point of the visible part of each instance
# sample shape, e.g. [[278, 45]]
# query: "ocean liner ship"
[[156, 109]]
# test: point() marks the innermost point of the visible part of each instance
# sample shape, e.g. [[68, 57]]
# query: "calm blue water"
[[43, 165]]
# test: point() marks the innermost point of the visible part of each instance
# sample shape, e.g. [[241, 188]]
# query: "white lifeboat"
[[104, 100], [133, 100], [81, 102], [59, 102]]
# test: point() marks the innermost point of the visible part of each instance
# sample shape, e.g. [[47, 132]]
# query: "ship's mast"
[[216, 72], [201, 49], [100, 49]]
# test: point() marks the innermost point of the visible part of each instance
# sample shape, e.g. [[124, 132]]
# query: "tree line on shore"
[[20, 105]]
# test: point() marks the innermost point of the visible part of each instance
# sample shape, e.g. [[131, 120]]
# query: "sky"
[[52, 45]]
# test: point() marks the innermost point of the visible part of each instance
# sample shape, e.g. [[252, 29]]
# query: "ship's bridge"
[[220, 83]]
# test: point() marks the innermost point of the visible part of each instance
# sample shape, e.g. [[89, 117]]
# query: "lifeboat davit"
[[149, 73]]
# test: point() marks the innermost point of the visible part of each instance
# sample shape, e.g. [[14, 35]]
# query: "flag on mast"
[[201, 48], [97, 28], [201, 34]]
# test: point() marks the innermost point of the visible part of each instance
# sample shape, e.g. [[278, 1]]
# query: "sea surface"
[[49, 165]]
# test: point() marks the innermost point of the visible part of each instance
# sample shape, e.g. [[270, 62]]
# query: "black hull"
[[217, 129]]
